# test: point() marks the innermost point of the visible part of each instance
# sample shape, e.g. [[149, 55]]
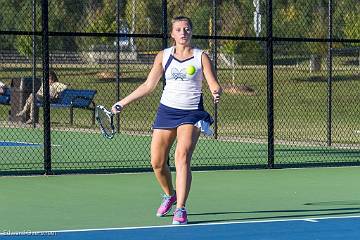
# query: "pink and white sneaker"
[[166, 205], [180, 216]]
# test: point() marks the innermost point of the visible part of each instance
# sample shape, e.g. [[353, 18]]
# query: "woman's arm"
[[210, 77], [145, 88], [56, 88]]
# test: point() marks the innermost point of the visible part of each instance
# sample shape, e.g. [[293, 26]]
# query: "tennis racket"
[[105, 119]]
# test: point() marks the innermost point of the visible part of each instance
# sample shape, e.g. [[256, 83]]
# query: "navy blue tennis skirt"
[[168, 117]]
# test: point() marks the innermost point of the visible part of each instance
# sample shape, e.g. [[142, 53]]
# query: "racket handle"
[[116, 108]]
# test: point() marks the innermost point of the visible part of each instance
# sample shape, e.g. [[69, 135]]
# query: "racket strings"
[[106, 123]]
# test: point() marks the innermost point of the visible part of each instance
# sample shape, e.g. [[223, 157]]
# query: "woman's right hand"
[[116, 108]]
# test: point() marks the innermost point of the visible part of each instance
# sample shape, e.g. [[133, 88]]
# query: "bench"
[[5, 98], [75, 98]]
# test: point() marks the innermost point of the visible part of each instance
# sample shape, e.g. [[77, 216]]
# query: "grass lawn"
[[300, 108], [300, 101]]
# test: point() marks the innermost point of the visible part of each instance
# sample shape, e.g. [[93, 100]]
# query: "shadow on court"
[[314, 213], [349, 202]]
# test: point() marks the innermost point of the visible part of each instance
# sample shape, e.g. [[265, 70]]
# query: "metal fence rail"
[[290, 73]]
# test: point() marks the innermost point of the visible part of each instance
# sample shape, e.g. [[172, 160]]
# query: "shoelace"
[[166, 200], [179, 213]]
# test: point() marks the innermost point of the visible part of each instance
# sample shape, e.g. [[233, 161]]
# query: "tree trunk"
[[315, 63]]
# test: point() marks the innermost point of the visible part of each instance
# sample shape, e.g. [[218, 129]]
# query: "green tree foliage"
[[292, 18], [11, 18], [200, 13], [351, 18], [233, 23], [100, 18], [318, 27], [24, 44], [144, 16], [236, 19], [64, 16]]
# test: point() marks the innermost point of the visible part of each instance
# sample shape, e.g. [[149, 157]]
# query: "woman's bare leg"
[[27, 107], [161, 143], [187, 137]]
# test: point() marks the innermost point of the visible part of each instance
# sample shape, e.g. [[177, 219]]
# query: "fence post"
[[33, 61], [270, 84], [45, 65], [214, 52], [118, 60], [329, 80], [164, 30]]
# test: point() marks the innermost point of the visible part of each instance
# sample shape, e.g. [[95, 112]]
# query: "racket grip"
[[116, 108]]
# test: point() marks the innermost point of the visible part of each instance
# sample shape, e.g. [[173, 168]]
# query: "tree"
[[10, 19], [237, 20], [101, 18], [352, 20], [64, 16], [144, 16], [24, 44], [232, 24], [318, 29]]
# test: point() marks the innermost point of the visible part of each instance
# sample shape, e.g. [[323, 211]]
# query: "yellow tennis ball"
[[190, 70]]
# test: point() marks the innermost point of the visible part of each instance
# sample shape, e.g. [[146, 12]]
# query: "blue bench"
[[5, 98], [75, 98]]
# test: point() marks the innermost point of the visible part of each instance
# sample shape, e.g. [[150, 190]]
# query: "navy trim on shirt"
[[168, 62], [181, 61]]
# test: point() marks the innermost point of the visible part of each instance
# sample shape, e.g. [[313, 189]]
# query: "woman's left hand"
[[216, 95]]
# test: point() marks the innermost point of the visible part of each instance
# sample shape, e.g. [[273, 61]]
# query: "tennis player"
[[181, 113]]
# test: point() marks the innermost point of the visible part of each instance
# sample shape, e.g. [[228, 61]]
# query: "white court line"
[[310, 220], [195, 225], [30, 143]]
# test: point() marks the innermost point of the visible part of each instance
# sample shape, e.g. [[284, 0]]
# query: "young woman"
[[181, 113]]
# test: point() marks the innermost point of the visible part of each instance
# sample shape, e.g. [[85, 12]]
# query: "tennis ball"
[[190, 70]]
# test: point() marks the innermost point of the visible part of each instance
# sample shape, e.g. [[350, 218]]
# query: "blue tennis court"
[[312, 228]]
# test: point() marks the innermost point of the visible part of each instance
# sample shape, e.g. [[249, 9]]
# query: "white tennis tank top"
[[183, 89]]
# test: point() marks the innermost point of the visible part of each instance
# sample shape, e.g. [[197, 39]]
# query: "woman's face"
[[181, 32]]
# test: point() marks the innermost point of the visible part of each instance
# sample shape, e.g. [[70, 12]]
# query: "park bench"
[[5, 98], [75, 98]]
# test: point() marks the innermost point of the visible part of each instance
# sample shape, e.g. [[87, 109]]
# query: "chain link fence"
[[290, 72]]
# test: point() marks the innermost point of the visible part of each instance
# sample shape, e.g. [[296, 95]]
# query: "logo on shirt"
[[178, 75]]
